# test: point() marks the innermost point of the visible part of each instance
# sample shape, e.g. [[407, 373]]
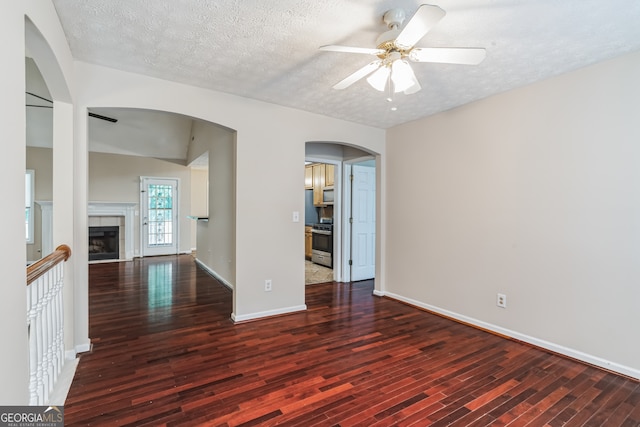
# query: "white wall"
[[48, 46], [270, 151], [116, 178], [13, 364], [216, 248], [199, 199], [534, 193]]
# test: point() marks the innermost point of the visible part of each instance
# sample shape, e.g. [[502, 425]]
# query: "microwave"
[[327, 195]]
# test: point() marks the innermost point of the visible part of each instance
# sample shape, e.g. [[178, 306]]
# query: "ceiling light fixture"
[[396, 76], [379, 78], [402, 76], [396, 47]]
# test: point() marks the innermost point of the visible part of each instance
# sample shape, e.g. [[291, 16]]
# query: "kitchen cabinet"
[[318, 183], [308, 177], [307, 242], [319, 176], [329, 175]]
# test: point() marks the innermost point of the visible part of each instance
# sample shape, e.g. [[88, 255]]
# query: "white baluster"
[[45, 326], [47, 333], [58, 346], [39, 326], [33, 359]]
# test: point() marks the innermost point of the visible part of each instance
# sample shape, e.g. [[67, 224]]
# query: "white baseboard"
[[556, 348], [215, 275], [80, 348], [268, 313], [84, 347], [251, 316], [378, 293], [61, 388]]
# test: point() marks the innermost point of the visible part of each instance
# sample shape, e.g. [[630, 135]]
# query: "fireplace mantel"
[[125, 209]]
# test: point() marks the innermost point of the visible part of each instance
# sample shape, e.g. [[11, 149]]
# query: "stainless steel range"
[[322, 244]]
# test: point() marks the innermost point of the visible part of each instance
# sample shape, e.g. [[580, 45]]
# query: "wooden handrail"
[[37, 269]]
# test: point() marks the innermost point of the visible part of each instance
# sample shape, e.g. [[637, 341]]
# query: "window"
[[28, 201]]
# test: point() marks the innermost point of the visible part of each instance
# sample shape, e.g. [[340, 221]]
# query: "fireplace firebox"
[[104, 243]]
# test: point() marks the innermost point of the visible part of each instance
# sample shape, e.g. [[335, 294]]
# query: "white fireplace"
[[117, 214]]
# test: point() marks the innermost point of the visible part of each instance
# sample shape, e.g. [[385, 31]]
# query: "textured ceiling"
[[268, 50]]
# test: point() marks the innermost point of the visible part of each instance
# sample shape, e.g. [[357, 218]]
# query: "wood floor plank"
[[165, 352]]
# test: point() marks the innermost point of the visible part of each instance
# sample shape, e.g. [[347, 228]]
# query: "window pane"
[[29, 183], [160, 214], [28, 186]]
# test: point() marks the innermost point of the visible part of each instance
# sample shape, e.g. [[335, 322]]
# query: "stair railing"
[[45, 323]]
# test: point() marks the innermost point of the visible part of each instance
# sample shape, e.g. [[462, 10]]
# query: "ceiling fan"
[[396, 47], [50, 105]]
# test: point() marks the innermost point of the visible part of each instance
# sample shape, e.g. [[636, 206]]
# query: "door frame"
[[176, 214], [345, 272]]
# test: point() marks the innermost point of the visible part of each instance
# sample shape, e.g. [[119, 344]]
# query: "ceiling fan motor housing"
[[387, 40], [394, 19]]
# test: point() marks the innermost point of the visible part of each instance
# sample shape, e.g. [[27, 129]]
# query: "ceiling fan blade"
[[449, 55], [101, 117], [348, 49], [39, 97], [424, 19], [94, 115], [362, 72]]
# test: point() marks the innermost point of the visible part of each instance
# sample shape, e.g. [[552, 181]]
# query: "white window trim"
[[30, 204]]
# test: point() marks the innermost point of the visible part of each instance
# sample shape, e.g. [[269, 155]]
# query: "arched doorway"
[[155, 145], [342, 158]]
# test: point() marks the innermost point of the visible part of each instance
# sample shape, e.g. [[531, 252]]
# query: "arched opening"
[[130, 146], [48, 126], [39, 164], [49, 212]]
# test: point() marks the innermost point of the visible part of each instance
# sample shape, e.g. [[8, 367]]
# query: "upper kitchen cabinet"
[[308, 177], [322, 177], [329, 175], [318, 183]]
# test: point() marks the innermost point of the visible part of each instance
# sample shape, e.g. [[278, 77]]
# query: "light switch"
[[296, 216]]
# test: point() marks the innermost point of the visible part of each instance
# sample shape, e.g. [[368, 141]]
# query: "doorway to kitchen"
[[321, 204], [352, 221]]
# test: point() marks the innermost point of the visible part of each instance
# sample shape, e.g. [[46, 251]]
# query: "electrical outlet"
[[267, 285], [501, 301]]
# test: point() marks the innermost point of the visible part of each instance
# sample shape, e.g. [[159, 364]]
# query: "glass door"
[[159, 216]]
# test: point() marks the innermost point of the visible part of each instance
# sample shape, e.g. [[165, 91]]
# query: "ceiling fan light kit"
[[402, 76], [378, 79], [396, 47]]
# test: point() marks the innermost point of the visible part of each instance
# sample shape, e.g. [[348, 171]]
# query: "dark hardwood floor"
[[166, 353]]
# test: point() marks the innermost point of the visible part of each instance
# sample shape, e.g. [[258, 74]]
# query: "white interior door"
[[363, 229], [159, 219]]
